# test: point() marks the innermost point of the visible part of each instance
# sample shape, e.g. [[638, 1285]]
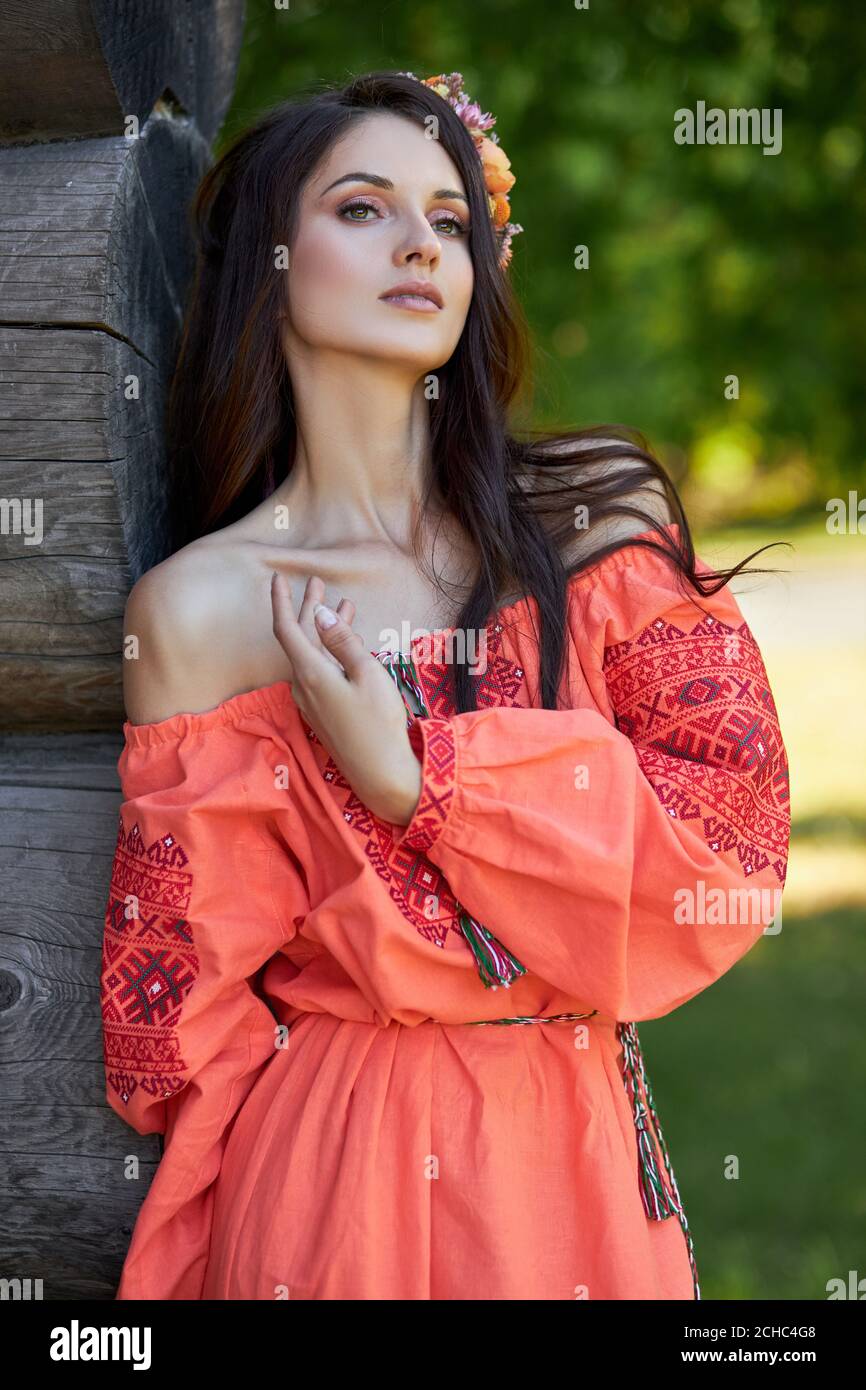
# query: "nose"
[[418, 244]]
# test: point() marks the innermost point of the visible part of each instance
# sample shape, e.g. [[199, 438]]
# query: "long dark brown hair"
[[231, 424]]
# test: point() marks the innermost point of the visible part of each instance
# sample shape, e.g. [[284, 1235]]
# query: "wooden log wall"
[[108, 110]]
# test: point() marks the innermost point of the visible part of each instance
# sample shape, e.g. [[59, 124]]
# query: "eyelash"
[[453, 219]]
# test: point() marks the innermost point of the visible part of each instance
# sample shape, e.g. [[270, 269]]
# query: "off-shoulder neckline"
[[272, 698]]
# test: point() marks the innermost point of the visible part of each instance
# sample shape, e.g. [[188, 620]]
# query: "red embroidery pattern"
[[438, 785], [498, 684], [698, 707], [149, 965], [418, 887]]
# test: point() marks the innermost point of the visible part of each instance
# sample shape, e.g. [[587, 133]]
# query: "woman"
[[356, 832]]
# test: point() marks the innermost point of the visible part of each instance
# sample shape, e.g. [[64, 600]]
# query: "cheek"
[[325, 265]]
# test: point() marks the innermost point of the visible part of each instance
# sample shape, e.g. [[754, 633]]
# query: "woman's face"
[[387, 205]]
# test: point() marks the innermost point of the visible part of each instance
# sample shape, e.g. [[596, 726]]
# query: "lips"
[[415, 289]]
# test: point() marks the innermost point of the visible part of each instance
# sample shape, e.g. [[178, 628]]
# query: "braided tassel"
[[496, 966], [530, 1018], [404, 676], [659, 1201]]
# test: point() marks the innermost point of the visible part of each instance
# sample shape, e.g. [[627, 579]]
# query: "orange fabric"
[[381, 1148]]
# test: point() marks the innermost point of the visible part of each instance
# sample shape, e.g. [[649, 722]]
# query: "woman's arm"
[[630, 856], [202, 894]]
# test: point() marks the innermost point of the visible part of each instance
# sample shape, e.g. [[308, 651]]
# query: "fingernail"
[[324, 616]]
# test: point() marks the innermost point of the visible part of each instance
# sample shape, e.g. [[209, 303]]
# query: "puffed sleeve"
[[191, 916], [631, 852]]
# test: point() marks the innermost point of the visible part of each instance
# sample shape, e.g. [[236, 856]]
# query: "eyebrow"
[[360, 177]]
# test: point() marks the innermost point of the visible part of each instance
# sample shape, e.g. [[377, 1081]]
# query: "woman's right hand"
[[351, 703], [345, 608]]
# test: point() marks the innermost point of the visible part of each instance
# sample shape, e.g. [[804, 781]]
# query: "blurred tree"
[[705, 261]]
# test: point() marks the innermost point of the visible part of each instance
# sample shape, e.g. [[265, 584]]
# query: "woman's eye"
[[356, 207], [455, 225]]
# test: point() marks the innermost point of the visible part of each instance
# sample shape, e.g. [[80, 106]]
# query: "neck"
[[362, 457]]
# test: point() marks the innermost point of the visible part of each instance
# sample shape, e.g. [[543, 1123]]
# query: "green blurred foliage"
[[763, 1069], [704, 260]]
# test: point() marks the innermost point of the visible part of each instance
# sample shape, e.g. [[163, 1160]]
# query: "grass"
[[765, 1070]]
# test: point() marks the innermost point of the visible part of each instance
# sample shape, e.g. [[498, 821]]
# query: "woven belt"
[[531, 1018]]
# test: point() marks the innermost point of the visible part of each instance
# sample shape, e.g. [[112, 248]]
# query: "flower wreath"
[[495, 163]]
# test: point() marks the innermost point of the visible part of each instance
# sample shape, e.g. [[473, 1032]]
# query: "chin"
[[420, 356]]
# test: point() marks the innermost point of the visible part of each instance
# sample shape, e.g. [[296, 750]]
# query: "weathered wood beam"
[[68, 1211], [95, 258], [73, 68]]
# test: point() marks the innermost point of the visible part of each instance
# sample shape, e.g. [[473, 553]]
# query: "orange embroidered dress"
[[290, 984]]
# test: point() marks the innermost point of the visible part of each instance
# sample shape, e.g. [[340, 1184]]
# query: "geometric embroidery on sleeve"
[[698, 707], [149, 965], [432, 740]]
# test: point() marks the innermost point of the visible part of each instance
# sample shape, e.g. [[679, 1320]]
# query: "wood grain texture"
[[96, 233], [71, 68], [69, 1209], [95, 260]]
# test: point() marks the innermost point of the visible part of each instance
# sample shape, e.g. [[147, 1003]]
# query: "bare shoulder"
[[178, 625], [647, 494]]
